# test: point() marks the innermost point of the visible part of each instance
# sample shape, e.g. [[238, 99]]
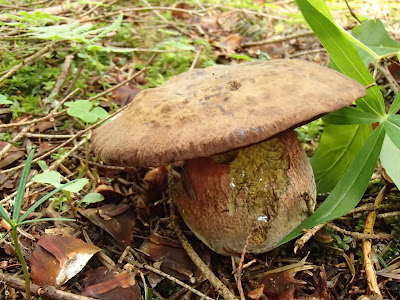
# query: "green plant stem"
[[23, 262]]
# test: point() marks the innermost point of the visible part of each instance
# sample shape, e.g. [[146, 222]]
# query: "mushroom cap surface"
[[208, 111]]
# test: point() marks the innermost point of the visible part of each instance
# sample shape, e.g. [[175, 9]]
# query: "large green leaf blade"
[[338, 147], [390, 159], [394, 108], [349, 116], [392, 127], [373, 34], [348, 192], [341, 51]]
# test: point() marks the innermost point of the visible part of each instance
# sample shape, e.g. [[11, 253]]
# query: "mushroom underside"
[[269, 185]]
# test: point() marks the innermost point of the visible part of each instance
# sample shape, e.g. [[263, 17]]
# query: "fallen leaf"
[[42, 126], [103, 283], [181, 14], [173, 258], [57, 259], [12, 155], [117, 219], [230, 44]]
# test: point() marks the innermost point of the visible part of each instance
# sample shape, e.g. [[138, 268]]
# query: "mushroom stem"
[[216, 283]]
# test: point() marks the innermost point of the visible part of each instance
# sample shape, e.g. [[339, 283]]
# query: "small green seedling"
[[4, 100], [54, 178], [16, 220], [83, 110]]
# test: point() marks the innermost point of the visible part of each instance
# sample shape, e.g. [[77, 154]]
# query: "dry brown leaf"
[[103, 283], [13, 154], [117, 219], [231, 43], [174, 260], [181, 14], [57, 259]]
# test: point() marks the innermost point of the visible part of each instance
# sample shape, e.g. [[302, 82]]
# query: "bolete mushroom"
[[245, 167]]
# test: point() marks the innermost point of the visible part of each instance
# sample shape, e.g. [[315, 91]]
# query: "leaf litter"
[[133, 224]]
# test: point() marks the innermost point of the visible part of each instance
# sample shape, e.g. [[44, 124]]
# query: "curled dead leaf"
[[57, 259], [103, 283]]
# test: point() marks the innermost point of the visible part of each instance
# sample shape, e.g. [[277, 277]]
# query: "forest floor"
[[58, 83]]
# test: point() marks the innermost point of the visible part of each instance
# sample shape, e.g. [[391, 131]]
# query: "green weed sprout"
[[16, 220]]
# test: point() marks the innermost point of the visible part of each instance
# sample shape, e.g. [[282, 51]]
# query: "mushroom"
[[245, 169]]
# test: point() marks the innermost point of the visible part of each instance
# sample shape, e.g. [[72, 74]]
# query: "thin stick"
[[19, 136], [196, 58], [278, 39], [26, 61], [308, 234], [165, 275], [367, 246], [361, 236], [61, 79], [240, 267], [49, 292]]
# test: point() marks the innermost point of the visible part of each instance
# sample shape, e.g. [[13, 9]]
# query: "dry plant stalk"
[[367, 246]]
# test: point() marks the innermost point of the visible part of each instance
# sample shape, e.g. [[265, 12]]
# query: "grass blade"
[[21, 187], [46, 219]]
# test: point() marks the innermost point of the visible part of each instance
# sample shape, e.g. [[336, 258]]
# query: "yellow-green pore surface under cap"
[[208, 111]]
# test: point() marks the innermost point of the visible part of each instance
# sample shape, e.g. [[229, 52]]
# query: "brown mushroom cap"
[[213, 110]]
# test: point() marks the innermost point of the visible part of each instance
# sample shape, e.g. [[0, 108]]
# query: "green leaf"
[[390, 159], [373, 34], [82, 109], [42, 164], [392, 127], [336, 150], [100, 112], [21, 187], [342, 53], [4, 100], [50, 177], [77, 185], [348, 192], [348, 115], [394, 108], [92, 198]]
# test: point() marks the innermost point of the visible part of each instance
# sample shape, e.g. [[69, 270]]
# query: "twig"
[[308, 234], [61, 79], [134, 263], [389, 77], [196, 58], [361, 236], [19, 136], [367, 246], [239, 269], [163, 18], [278, 39], [77, 135], [312, 51], [53, 166], [49, 116], [46, 292], [351, 12], [48, 136], [26, 61], [216, 283], [118, 85]]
